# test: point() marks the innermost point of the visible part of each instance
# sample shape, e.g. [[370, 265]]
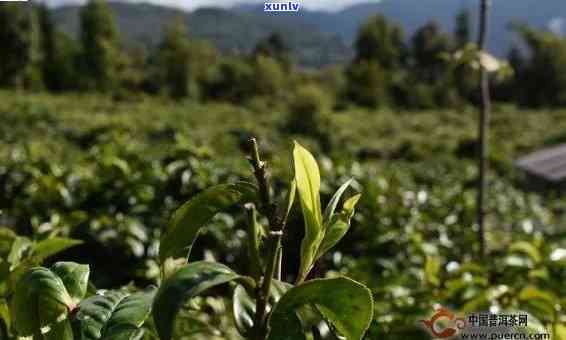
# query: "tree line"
[[430, 69]]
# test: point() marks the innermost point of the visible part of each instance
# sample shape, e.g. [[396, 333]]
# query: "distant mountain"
[[229, 30], [318, 38], [412, 14]]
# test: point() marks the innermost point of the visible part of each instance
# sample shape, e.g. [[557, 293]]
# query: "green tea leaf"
[[349, 307], [329, 211], [94, 313], [19, 247], [243, 305], [75, 278], [307, 177], [289, 328], [339, 225], [113, 315], [526, 248], [188, 282], [291, 197], [5, 313], [130, 315], [182, 230], [432, 270], [255, 232], [52, 246], [539, 302], [40, 299]]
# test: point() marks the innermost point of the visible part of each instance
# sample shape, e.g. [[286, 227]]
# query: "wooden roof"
[[549, 164]]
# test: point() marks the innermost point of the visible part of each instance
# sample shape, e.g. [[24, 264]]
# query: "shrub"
[[232, 79], [368, 84], [307, 108], [56, 303]]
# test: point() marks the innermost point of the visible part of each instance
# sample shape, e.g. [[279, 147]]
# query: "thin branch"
[[274, 240], [485, 109]]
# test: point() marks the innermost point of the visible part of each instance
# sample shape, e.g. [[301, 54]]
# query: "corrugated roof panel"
[[549, 163]]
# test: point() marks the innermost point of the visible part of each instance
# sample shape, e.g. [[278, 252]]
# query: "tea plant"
[[54, 303], [17, 255]]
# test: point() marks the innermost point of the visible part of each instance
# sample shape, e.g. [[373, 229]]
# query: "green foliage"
[[274, 46], [368, 84], [540, 75], [173, 60], [51, 303], [380, 41], [430, 45], [113, 315], [40, 300], [75, 278], [100, 53], [270, 78], [463, 31], [114, 185], [231, 79], [21, 47], [188, 282], [187, 221], [321, 232], [308, 110], [386, 70], [349, 308], [307, 177]]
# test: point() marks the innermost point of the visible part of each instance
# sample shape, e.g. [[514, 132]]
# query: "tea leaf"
[[183, 228], [52, 246], [40, 299], [188, 282], [339, 225], [113, 315], [307, 177], [349, 308], [74, 277]]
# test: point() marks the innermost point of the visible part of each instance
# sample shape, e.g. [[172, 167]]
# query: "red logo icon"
[[452, 327]]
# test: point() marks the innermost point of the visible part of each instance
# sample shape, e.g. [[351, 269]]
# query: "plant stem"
[[253, 243], [267, 207], [485, 108], [274, 241]]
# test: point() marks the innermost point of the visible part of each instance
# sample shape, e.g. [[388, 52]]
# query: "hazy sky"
[[192, 4]]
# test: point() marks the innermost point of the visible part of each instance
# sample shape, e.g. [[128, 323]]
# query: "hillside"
[[230, 31], [411, 14], [318, 38]]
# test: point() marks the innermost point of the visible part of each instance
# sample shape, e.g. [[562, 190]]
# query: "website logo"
[[453, 324], [291, 6], [444, 324]]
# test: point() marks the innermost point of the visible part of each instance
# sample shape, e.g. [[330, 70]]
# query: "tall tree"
[[429, 45], [485, 109], [101, 56], [59, 54], [541, 71], [380, 41], [463, 31], [48, 41], [174, 59], [20, 55], [274, 46]]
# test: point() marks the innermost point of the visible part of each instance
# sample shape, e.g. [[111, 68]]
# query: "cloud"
[[329, 5]]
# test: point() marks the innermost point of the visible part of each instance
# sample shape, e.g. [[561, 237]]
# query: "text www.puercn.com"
[[510, 336]]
